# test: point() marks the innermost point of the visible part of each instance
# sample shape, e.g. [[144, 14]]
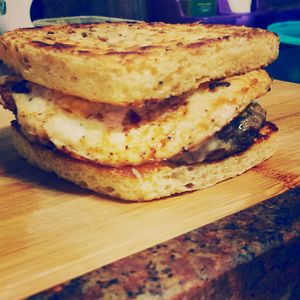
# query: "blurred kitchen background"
[[254, 13]]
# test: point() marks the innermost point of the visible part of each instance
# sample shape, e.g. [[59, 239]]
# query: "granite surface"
[[253, 254]]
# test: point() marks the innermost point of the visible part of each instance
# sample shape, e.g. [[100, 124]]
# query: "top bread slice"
[[122, 63]]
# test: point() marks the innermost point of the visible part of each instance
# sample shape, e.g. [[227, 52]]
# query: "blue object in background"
[[289, 32], [287, 66]]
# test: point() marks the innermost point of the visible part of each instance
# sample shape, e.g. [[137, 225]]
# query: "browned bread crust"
[[150, 181], [127, 63]]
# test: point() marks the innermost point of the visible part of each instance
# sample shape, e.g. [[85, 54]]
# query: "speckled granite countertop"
[[253, 254]]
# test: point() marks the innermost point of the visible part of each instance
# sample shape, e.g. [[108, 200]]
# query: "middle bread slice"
[[133, 135]]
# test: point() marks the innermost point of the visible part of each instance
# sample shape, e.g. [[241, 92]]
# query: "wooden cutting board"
[[51, 231]]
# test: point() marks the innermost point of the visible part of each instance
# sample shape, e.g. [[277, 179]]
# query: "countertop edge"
[[252, 254]]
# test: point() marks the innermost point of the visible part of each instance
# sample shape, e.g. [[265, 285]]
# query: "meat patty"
[[235, 137]]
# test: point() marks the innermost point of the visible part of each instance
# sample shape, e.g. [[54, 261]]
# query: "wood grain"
[[52, 231]]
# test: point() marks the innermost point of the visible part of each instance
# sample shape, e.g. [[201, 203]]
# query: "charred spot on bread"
[[213, 85], [54, 46], [133, 117], [21, 87]]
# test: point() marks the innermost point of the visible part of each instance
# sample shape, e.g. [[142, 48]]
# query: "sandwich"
[[140, 111]]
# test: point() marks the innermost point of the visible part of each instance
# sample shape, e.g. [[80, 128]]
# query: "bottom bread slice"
[[145, 182]]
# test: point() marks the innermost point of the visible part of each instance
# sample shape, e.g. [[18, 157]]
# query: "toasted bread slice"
[[125, 63], [146, 182], [116, 135]]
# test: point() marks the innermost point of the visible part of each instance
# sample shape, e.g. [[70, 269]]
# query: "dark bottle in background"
[[127, 9], [199, 8]]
